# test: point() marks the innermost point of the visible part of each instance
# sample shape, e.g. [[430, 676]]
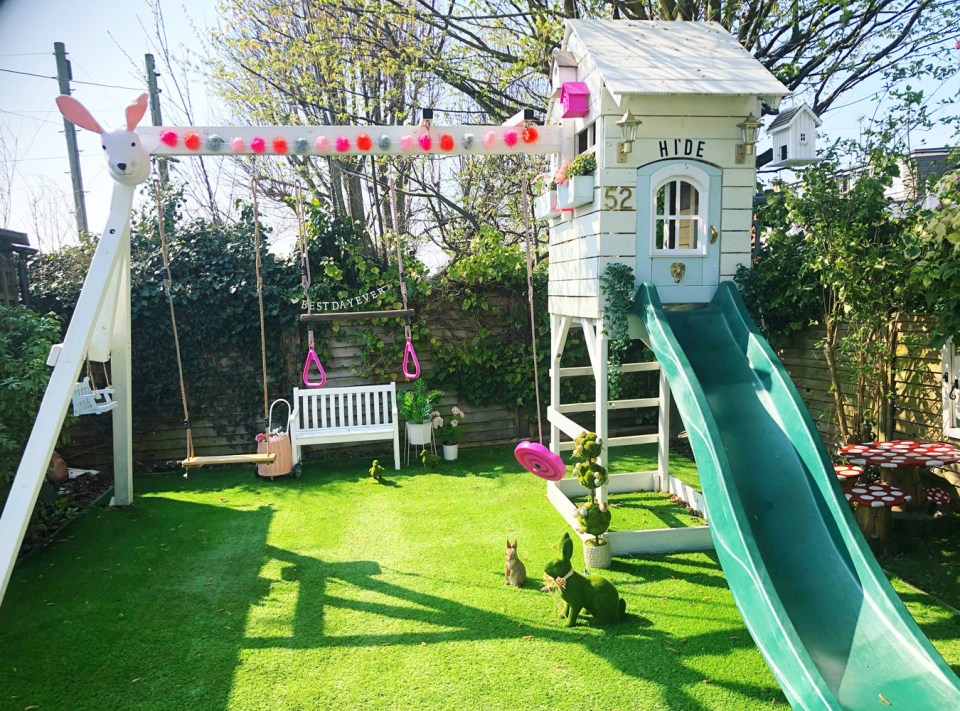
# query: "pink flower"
[[437, 423], [457, 411], [560, 176]]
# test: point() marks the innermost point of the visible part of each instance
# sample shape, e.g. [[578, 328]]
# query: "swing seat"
[[87, 401], [197, 462]]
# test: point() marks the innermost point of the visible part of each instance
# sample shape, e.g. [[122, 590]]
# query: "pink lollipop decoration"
[[236, 144], [510, 138], [322, 144], [169, 137], [258, 145], [343, 144], [489, 139], [540, 461], [406, 143], [425, 141]]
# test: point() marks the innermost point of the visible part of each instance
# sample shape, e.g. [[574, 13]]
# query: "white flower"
[[435, 414], [437, 423], [454, 423], [457, 411]]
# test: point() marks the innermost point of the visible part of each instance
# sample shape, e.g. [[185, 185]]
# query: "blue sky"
[[106, 42]]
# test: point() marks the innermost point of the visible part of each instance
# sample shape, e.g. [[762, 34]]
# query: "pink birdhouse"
[[575, 98]]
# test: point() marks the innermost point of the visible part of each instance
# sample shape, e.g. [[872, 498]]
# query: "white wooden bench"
[[363, 413]]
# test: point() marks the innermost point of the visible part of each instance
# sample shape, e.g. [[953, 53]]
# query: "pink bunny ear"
[[74, 111], [135, 111]]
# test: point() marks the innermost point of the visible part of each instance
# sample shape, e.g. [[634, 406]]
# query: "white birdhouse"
[[794, 134], [564, 70]]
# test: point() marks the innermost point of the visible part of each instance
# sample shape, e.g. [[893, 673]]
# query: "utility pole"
[[155, 110], [64, 75]]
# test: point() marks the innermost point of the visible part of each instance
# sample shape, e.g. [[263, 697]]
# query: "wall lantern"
[[628, 130], [748, 134]]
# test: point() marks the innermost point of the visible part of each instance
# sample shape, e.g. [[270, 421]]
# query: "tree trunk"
[[830, 353]]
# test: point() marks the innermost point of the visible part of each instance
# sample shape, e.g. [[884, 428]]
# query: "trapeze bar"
[[194, 462], [349, 315]]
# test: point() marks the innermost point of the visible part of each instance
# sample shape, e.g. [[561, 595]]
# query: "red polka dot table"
[[874, 502], [898, 461]]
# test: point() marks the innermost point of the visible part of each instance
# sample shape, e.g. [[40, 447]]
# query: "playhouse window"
[[678, 220], [783, 152], [803, 137], [587, 138], [951, 391]]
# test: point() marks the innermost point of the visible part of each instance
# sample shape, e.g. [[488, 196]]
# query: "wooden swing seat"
[[196, 462]]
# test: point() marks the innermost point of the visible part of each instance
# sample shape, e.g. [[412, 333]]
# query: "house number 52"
[[615, 198]]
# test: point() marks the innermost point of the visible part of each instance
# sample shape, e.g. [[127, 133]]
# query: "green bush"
[[583, 164]]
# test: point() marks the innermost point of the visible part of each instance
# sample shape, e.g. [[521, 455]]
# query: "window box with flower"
[[546, 205], [449, 431], [576, 188]]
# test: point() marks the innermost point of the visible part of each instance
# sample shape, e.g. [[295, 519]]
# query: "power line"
[[31, 118], [27, 74], [75, 81]]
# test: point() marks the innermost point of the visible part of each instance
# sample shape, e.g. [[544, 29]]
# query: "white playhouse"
[[669, 110]]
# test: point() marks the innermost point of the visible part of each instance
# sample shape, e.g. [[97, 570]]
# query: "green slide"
[[811, 593]]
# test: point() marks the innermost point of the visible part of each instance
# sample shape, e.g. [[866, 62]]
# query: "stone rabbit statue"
[[515, 571], [592, 593]]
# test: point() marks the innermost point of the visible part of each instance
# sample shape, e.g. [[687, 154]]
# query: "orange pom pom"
[[191, 140], [280, 145], [530, 134]]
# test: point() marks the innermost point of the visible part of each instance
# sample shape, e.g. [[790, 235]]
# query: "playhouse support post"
[[663, 433], [559, 328], [120, 364], [25, 487]]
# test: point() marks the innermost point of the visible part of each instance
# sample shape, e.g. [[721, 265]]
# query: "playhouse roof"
[[669, 58]]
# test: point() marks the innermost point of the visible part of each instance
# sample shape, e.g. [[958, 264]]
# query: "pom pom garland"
[[236, 144], [343, 144], [425, 141], [510, 138], [169, 137], [214, 142], [489, 139], [301, 145], [468, 139], [322, 144], [191, 140], [363, 142], [384, 143], [446, 142], [258, 145], [280, 145], [406, 143], [530, 134]]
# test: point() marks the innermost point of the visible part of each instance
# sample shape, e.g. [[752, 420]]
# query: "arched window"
[[678, 222]]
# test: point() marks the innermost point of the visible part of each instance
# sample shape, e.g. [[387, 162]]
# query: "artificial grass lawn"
[[641, 458], [644, 510], [226, 592]]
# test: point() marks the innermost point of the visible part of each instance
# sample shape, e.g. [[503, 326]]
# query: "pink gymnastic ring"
[[540, 461]]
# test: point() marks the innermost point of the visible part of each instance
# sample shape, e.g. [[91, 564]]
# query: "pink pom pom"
[[236, 145], [510, 138], [425, 141], [169, 137], [489, 139], [322, 144], [406, 143], [343, 144], [258, 145]]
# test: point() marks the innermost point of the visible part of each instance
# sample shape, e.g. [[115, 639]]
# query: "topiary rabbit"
[[592, 593]]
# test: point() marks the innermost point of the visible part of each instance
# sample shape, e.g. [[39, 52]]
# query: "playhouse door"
[[678, 229]]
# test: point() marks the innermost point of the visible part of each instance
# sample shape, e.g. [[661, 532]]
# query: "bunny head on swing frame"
[[127, 159]]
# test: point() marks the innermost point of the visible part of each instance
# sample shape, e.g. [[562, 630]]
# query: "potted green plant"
[[417, 407], [579, 181], [593, 516], [545, 205], [448, 432]]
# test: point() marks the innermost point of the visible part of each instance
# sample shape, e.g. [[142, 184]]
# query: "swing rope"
[[408, 351], [263, 336], [306, 280], [167, 286], [529, 233]]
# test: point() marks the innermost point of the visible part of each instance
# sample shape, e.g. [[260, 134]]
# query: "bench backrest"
[[360, 406]]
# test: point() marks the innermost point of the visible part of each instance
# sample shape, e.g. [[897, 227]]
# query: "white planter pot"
[[450, 451], [545, 206], [597, 556], [419, 433], [577, 191]]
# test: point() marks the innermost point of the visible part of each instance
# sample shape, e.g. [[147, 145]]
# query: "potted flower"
[[579, 181], [592, 516], [448, 432], [416, 407], [545, 205]]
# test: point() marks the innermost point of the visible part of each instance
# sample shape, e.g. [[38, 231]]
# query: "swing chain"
[[529, 234], [407, 332], [305, 277], [263, 339]]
